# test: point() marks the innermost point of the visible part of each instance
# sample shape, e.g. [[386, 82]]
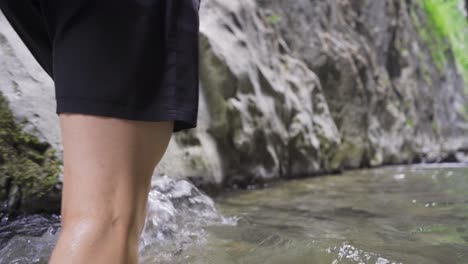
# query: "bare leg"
[[107, 175]]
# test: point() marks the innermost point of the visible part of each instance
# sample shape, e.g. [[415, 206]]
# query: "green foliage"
[[409, 122], [274, 18], [26, 164], [448, 21], [435, 41]]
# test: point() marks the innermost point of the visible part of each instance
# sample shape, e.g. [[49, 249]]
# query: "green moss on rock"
[[434, 40], [348, 155], [446, 27], [29, 168]]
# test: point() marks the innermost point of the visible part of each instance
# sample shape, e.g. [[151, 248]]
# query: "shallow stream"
[[399, 214]]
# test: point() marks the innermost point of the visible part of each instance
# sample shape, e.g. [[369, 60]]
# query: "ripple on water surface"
[[402, 214]]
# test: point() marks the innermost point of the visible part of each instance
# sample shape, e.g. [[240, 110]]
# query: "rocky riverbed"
[[288, 89]]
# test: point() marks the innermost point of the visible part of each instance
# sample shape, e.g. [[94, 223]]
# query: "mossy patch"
[[29, 169], [433, 39], [274, 18], [446, 26], [348, 155]]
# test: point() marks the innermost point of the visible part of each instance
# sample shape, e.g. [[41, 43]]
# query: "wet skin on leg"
[[108, 164]]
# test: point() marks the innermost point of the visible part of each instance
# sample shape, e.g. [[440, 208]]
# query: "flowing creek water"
[[398, 214]]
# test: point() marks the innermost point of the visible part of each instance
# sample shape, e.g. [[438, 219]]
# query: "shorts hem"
[[183, 118]]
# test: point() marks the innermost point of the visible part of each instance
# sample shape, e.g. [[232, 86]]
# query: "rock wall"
[[293, 88], [318, 86]]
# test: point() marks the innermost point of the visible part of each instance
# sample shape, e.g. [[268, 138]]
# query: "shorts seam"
[[165, 107]]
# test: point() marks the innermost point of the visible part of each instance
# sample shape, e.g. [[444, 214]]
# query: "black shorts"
[[132, 59]]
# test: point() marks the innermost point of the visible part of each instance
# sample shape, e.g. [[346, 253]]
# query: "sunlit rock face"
[[299, 87], [292, 88], [269, 114]]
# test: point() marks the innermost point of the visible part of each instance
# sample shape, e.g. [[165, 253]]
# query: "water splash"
[[177, 213], [347, 253]]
